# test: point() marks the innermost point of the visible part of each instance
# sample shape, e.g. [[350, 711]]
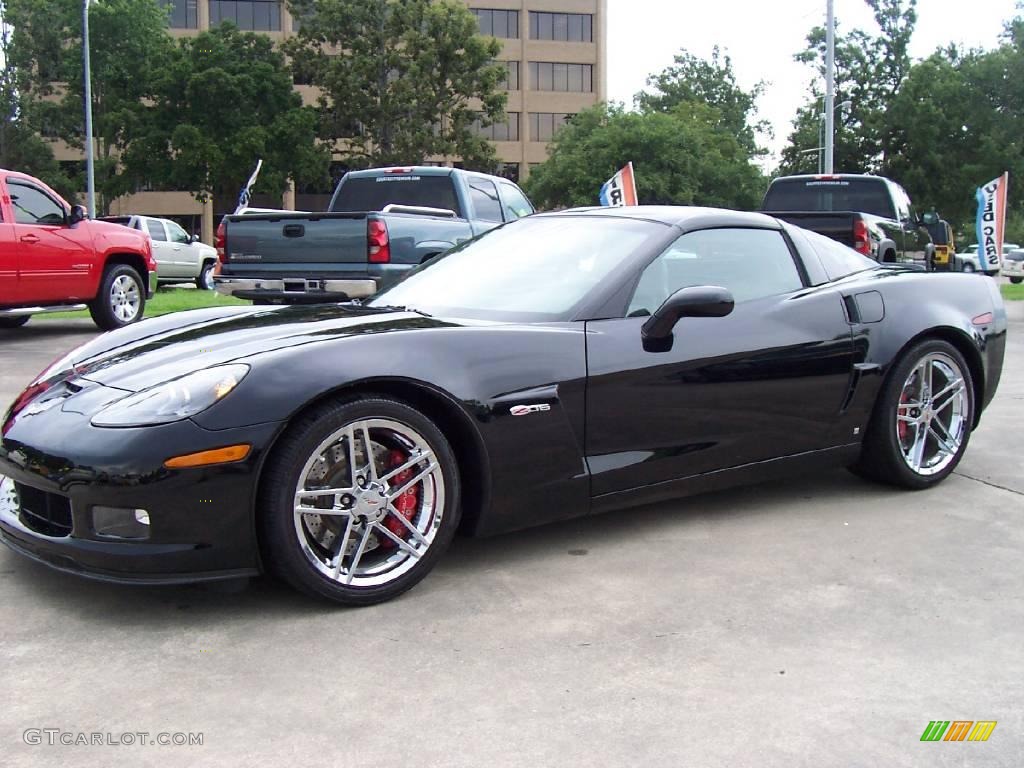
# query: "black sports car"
[[565, 364]]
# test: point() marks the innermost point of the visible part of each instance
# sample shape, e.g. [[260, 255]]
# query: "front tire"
[[359, 501], [204, 281], [121, 299], [1016, 280], [967, 267], [13, 322], [922, 419]]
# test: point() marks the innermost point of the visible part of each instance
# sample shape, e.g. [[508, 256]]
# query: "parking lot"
[[819, 621]]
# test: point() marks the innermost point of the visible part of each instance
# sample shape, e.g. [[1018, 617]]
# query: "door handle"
[[294, 230], [29, 239]]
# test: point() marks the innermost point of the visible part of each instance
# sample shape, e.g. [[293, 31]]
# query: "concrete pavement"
[[803, 623]]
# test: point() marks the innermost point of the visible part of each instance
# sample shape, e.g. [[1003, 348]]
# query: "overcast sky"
[[762, 37]]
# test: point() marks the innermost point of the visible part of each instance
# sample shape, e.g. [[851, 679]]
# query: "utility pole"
[[830, 95], [90, 172]]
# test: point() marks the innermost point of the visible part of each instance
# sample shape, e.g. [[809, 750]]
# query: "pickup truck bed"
[[402, 217]]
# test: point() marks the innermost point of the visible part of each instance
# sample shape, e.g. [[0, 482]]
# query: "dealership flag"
[[246, 193], [620, 189], [991, 219]]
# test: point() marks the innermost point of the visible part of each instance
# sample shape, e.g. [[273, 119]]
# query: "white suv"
[[967, 261], [180, 258], [1013, 265]]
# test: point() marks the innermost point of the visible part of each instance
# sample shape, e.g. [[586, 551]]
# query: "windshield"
[[861, 195], [533, 270], [373, 193]]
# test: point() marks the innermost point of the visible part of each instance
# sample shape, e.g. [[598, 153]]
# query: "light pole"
[[830, 94], [90, 173], [827, 143]]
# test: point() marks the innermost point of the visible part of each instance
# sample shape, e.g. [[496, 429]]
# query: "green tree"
[[707, 81], [224, 99], [869, 71], [414, 77], [129, 45], [21, 148], [680, 157]]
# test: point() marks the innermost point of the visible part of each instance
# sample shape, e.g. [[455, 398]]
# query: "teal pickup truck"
[[380, 224]]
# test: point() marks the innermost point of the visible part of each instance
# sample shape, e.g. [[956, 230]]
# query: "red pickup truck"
[[53, 258]]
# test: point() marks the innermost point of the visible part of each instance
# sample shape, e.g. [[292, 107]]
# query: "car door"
[[185, 253], [765, 381], [55, 258], [166, 267], [513, 202]]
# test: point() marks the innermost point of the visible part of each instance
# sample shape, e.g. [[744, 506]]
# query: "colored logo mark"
[[958, 730]]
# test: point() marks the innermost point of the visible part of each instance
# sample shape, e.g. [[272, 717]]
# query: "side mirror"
[[696, 301], [78, 213], [930, 217], [194, 239]]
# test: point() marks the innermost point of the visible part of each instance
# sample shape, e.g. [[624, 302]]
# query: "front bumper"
[[152, 283], [295, 290], [201, 524]]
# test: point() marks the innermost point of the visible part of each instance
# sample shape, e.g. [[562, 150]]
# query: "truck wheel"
[[967, 267], [205, 280], [1016, 280], [121, 299], [889, 257], [17, 322]]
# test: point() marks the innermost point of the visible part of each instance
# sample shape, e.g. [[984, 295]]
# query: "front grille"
[[42, 512]]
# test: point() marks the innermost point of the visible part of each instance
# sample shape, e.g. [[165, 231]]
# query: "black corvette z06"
[[561, 365]]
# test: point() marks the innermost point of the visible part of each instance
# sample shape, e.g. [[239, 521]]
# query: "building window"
[[570, 27], [504, 131], [184, 13], [544, 125], [553, 76], [511, 81], [252, 15], [509, 171], [503, 24]]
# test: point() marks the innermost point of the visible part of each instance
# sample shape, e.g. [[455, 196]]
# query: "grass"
[[1012, 292], [164, 302]]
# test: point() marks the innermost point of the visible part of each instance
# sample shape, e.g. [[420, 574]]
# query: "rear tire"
[[360, 550], [1016, 280], [121, 299], [967, 267], [13, 322], [922, 419]]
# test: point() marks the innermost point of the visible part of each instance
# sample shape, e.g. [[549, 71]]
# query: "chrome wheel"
[[932, 414], [125, 298], [369, 502]]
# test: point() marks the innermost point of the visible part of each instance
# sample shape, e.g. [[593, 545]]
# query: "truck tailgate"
[[296, 243], [837, 225]]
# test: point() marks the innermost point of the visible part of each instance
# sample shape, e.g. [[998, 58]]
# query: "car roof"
[[682, 216]]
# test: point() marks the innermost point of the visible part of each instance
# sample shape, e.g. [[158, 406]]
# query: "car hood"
[[157, 350]]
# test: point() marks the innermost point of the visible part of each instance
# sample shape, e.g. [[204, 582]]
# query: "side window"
[[485, 199], [514, 203], [156, 230], [752, 263], [902, 202], [178, 235], [837, 259], [33, 206]]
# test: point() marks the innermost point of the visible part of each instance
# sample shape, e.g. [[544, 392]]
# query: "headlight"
[[174, 400]]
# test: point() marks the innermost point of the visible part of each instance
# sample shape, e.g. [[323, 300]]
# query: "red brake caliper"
[[406, 503], [901, 425]]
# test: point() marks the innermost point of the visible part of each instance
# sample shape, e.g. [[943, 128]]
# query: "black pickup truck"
[[871, 214], [380, 224]]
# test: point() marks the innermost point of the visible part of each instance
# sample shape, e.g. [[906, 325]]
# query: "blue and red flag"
[[991, 221], [620, 189]]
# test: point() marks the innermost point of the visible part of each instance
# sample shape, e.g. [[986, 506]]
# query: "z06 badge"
[[523, 410]]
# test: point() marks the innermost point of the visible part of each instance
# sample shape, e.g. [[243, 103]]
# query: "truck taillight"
[[218, 241], [861, 238], [378, 249]]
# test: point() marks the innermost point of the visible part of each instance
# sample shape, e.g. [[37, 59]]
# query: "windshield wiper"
[[397, 308]]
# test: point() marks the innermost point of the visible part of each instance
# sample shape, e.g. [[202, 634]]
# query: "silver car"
[[967, 260], [180, 257]]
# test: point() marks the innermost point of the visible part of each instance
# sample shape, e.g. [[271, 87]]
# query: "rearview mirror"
[[695, 301], [77, 214]]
